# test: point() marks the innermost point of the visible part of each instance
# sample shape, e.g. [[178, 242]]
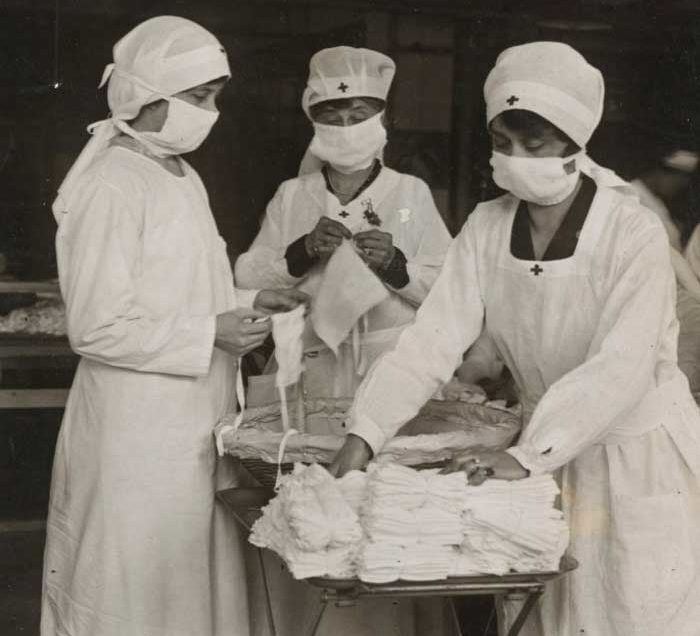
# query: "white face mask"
[[184, 130], [349, 148], [540, 180]]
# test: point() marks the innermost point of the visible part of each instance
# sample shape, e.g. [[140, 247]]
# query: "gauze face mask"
[[184, 130], [540, 180], [349, 148]]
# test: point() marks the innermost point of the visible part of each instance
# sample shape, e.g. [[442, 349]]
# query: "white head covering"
[[556, 82], [552, 80], [155, 60], [344, 72]]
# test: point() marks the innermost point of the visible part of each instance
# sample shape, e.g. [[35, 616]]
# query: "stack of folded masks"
[[411, 519], [310, 525], [511, 526], [395, 522]]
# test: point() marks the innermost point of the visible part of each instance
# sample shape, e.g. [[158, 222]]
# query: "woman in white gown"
[[346, 192], [574, 281], [135, 543]]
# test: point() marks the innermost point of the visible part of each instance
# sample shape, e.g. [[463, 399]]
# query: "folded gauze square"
[[348, 290]]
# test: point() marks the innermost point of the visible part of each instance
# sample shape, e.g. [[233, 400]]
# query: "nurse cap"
[[344, 72], [161, 57], [552, 80], [158, 58]]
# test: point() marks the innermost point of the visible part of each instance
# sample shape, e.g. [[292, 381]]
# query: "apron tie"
[[280, 455]]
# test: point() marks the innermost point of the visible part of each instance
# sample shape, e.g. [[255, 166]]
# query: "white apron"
[[136, 545], [591, 342], [406, 210]]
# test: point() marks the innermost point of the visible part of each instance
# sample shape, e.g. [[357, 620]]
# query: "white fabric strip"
[[280, 454]]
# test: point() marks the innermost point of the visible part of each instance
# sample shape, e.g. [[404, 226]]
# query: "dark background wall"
[[53, 51]]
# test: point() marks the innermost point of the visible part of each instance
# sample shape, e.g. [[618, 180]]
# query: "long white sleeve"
[[100, 257], [264, 265], [423, 266], [582, 406], [427, 352]]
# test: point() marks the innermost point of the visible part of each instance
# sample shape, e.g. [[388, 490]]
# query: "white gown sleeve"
[[264, 264], [581, 407], [424, 265], [99, 265], [427, 352]]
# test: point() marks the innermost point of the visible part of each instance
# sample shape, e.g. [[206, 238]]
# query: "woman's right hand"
[[241, 330], [325, 237]]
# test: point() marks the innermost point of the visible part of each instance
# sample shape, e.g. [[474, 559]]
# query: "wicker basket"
[[440, 429]]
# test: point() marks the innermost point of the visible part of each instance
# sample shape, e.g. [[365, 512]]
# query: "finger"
[[375, 242], [298, 296], [249, 314], [477, 478], [336, 229], [451, 467], [368, 234], [339, 227], [256, 329]]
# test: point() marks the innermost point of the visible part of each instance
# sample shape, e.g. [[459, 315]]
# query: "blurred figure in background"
[[659, 188]]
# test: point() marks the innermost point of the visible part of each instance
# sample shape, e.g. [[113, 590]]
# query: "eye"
[[534, 144], [500, 143]]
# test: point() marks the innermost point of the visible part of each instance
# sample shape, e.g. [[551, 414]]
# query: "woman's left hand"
[[481, 465], [377, 248], [275, 301]]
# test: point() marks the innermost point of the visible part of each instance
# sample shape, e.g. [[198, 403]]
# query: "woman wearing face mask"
[[135, 544], [345, 192], [574, 280]]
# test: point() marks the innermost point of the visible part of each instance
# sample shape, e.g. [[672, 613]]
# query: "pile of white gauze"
[[310, 525], [511, 525], [394, 522], [412, 519]]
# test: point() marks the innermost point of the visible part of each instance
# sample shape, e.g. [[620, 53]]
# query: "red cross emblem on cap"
[[342, 87]]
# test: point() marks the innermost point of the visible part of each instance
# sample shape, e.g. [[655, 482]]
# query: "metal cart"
[[245, 505]]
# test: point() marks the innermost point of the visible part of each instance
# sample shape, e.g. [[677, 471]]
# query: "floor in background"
[[20, 582]]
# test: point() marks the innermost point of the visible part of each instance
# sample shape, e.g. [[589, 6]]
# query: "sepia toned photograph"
[[350, 318]]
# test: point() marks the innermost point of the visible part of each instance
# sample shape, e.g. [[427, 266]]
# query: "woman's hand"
[[480, 465], [275, 301], [241, 330], [326, 237], [354, 455], [377, 248]]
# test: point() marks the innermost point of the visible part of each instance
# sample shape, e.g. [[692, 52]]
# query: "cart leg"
[[317, 622], [268, 601], [519, 621], [454, 617]]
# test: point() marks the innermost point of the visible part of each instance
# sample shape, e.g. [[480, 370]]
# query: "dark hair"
[[533, 125], [344, 102]]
